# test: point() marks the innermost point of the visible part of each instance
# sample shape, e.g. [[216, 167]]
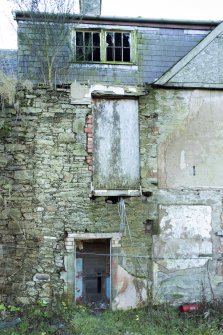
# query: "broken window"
[[117, 47], [88, 46], [103, 46]]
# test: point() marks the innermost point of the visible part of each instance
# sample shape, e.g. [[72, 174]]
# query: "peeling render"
[[187, 194], [190, 155], [88, 174], [171, 245], [131, 291], [184, 244]]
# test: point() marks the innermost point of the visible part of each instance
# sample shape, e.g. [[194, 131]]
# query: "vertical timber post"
[[70, 269]]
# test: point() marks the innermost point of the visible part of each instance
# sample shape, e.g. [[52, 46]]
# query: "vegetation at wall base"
[[41, 319]]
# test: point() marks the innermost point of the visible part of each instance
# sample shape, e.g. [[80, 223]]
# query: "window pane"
[[118, 39], [96, 39], [118, 54], [126, 42], [109, 54], [96, 55], [79, 54], [88, 39], [88, 53], [79, 38], [109, 39], [126, 55]]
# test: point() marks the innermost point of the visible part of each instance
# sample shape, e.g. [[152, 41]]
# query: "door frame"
[[70, 261]]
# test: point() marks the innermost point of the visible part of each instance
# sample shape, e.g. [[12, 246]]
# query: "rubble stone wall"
[[45, 187], [45, 184]]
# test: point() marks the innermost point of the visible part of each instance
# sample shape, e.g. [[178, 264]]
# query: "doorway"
[[92, 279]]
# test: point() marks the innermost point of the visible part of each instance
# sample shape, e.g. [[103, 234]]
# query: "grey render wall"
[[187, 261], [157, 50]]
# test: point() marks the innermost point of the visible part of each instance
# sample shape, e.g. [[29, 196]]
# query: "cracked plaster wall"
[[189, 121]]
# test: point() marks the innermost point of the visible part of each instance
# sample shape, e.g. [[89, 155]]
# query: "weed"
[[39, 319]]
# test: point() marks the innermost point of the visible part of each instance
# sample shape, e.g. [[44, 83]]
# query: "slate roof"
[[160, 45], [159, 48], [201, 67]]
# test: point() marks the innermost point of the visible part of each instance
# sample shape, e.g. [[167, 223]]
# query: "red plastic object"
[[189, 308]]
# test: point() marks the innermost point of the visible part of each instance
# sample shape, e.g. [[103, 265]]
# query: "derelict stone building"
[[112, 187]]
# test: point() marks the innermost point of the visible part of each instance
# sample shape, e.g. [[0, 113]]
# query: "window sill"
[[116, 193], [105, 65]]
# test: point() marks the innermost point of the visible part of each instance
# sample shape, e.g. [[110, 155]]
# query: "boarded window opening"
[[115, 144], [93, 272]]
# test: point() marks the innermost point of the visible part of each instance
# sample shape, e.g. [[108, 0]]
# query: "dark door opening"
[[93, 272]]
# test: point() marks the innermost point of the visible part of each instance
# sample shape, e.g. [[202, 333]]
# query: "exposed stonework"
[[45, 201], [112, 191], [45, 190]]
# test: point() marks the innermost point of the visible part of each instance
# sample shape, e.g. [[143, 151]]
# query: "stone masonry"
[[46, 173]]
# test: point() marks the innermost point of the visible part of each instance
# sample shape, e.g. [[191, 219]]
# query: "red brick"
[[88, 130]]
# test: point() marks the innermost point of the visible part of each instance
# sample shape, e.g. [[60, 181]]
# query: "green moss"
[[177, 296], [5, 129]]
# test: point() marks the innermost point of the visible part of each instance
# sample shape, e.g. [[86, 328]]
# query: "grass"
[[162, 320]]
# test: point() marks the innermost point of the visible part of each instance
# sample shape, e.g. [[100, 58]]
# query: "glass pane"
[[126, 55], [96, 55], [88, 39], [79, 38], [96, 39], [109, 54], [79, 54], [118, 54], [118, 39], [126, 42], [88, 53], [109, 39]]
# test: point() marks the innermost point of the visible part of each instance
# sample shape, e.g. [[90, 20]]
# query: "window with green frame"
[[104, 46]]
